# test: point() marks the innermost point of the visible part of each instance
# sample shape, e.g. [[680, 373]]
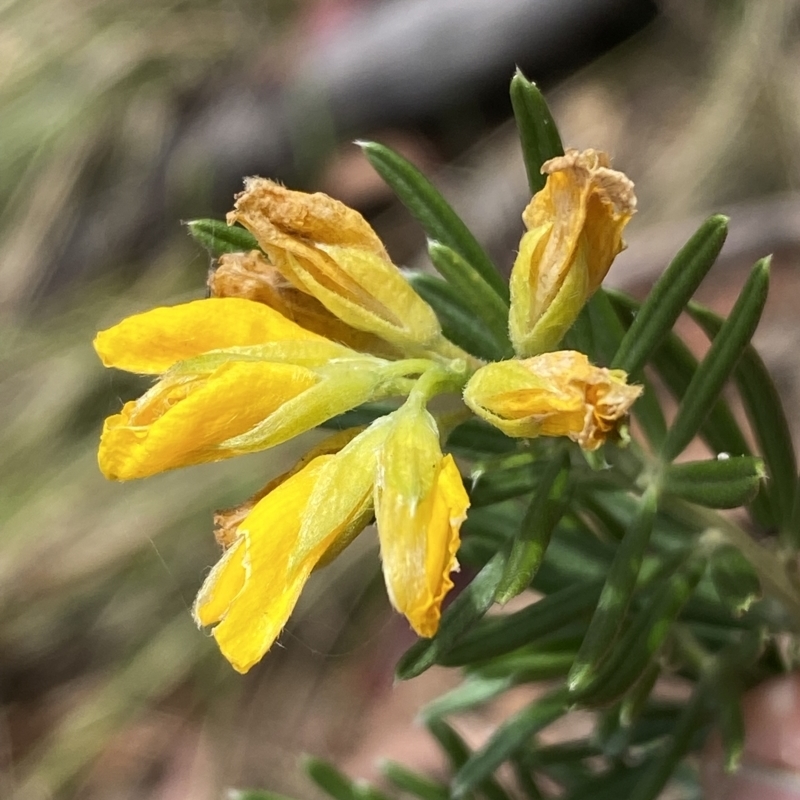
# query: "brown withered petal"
[[329, 251]]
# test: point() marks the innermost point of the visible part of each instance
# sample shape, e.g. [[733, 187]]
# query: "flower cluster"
[[319, 321]]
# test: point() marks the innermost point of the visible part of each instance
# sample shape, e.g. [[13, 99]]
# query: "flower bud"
[[329, 251], [420, 504], [574, 233], [554, 394]]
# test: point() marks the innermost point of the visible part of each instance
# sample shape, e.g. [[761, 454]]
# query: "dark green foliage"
[[636, 574]]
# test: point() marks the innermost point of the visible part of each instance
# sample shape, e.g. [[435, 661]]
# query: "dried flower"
[[574, 232], [554, 394], [330, 252]]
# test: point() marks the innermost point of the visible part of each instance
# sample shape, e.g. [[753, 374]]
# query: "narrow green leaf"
[[538, 133], [722, 357], [569, 752], [494, 480], [680, 741], [636, 699], [580, 336], [528, 666], [670, 295], [573, 555], [615, 596], [476, 436], [734, 579], [474, 292], [631, 657], [764, 409], [432, 211], [614, 784], [473, 602], [458, 754], [474, 691], [219, 238], [526, 780], [495, 636], [675, 365], [413, 783], [544, 512], [608, 331], [455, 748], [606, 327], [716, 483], [513, 734], [727, 697], [458, 323], [609, 732]]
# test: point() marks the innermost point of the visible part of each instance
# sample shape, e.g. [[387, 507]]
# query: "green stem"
[[438, 379], [768, 566], [443, 348]]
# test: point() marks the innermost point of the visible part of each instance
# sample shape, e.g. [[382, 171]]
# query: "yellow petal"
[[554, 394], [228, 520], [574, 233], [155, 340], [284, 538], [420, 503], [222, 585], [232, 400]]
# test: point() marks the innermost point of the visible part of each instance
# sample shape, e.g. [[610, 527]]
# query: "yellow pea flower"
[[252, 591], [250, 275], [554, 394], [574, 232], [420, 504], [307, 517], [329, 251], [306, 520], [239, 377]]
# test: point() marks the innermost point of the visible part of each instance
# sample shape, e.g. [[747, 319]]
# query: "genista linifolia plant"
[[510, 428]]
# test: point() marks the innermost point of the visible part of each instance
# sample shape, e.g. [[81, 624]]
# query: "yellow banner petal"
[[151, 342], [188, 427]]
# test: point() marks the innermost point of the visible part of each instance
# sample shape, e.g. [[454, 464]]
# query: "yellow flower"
[[251, 592], [420, 504], [150, 343], [239, 377], [250, 275], [329, 251], [554, 394], [574, 233], [307, 517]]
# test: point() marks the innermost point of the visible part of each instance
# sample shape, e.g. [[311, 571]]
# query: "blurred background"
[[119, 120]]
